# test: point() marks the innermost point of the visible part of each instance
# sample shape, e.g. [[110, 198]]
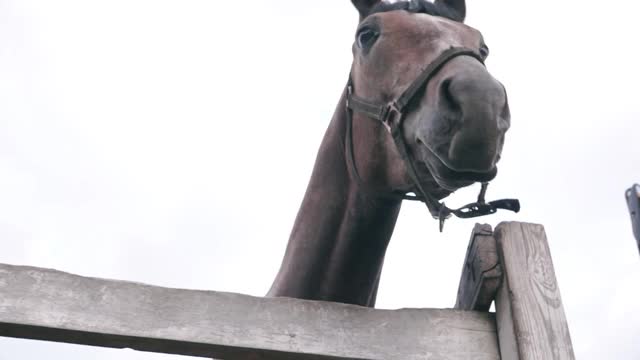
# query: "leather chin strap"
[[391, 115]]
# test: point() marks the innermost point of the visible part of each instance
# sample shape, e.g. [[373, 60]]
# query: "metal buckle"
[[391, 117]]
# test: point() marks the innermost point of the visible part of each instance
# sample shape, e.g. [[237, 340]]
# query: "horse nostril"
[[447, 98]]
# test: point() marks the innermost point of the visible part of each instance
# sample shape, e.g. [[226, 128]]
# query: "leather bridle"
[[392, 115]]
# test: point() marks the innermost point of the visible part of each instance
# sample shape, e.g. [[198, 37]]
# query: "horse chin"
[[451, 179]]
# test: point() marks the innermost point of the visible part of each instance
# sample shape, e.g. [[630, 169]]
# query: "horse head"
[[452, 126]]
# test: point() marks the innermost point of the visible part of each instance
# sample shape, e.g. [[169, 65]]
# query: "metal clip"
[[443, 215], [391, 116], [349, 94]]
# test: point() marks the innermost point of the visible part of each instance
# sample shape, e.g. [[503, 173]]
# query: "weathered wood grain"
[[481, 271], [52, 305], [504, 321], [531, 320]]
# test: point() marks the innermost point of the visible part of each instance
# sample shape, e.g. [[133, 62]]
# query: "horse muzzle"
[[475, 108]]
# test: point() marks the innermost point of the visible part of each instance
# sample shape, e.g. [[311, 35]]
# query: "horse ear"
[[457, 7], [364, 6]]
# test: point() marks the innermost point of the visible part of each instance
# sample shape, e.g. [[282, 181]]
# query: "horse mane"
[[418, 6]]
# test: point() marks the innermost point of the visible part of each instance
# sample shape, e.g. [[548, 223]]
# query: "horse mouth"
[[450, 178]]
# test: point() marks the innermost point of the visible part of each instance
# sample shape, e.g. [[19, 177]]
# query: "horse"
[[420, 115]]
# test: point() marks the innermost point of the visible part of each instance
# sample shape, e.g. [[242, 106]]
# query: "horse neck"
[[340, 235]]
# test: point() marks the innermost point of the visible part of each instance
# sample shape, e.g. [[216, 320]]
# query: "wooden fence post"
[[481, 272], [530, 317]]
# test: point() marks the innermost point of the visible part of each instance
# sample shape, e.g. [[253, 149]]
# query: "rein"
[[391, 115]]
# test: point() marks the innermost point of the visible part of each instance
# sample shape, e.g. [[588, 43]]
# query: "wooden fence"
[[511, 266]]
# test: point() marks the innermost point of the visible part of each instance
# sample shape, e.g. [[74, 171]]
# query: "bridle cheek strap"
[[391, 115]]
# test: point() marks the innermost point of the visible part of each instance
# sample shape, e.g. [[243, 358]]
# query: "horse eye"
[[484, 51], [366, 37]]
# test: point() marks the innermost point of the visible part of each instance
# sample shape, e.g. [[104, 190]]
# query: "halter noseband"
[[391, 115]]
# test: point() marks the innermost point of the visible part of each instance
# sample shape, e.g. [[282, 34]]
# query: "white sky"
[[170, 142]]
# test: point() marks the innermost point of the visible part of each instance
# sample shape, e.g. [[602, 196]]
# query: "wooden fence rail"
[[51, 305]]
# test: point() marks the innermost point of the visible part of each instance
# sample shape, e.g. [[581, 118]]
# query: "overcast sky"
[[170, 142]]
